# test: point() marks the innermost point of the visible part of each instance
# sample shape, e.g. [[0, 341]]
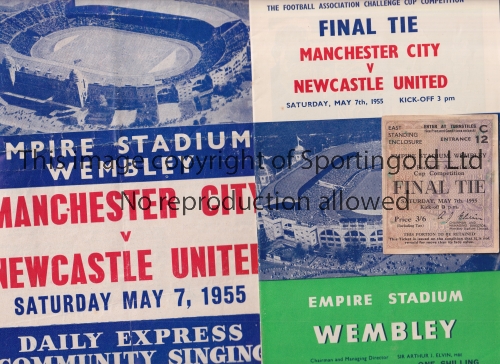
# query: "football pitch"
[[116, 52]]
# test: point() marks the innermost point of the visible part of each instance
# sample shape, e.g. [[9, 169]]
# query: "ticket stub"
[[440, 183]]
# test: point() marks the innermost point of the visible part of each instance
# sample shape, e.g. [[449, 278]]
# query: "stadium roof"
[[291, 183], [212, 15]]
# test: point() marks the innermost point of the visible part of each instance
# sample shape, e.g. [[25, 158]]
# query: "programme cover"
[[70, 65], [127, 227], [343, 59], [324, 75]]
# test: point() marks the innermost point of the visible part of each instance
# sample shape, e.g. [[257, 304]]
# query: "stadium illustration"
[[122, 63], [304, 232]]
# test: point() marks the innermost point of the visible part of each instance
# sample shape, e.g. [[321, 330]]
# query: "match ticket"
[[441, 181]]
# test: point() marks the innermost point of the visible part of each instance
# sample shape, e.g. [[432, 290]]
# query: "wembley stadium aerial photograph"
[[69, 65], [319, 216]]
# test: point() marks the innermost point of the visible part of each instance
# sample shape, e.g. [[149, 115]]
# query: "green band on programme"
[[431, 319]]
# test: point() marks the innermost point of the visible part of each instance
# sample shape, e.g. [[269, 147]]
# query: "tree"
[[287, 255], [299, 251], [341, 255], [355, 251], [323, 251], [264, 243]]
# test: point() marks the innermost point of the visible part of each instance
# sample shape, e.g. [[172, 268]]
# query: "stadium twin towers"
[[56, 54]]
